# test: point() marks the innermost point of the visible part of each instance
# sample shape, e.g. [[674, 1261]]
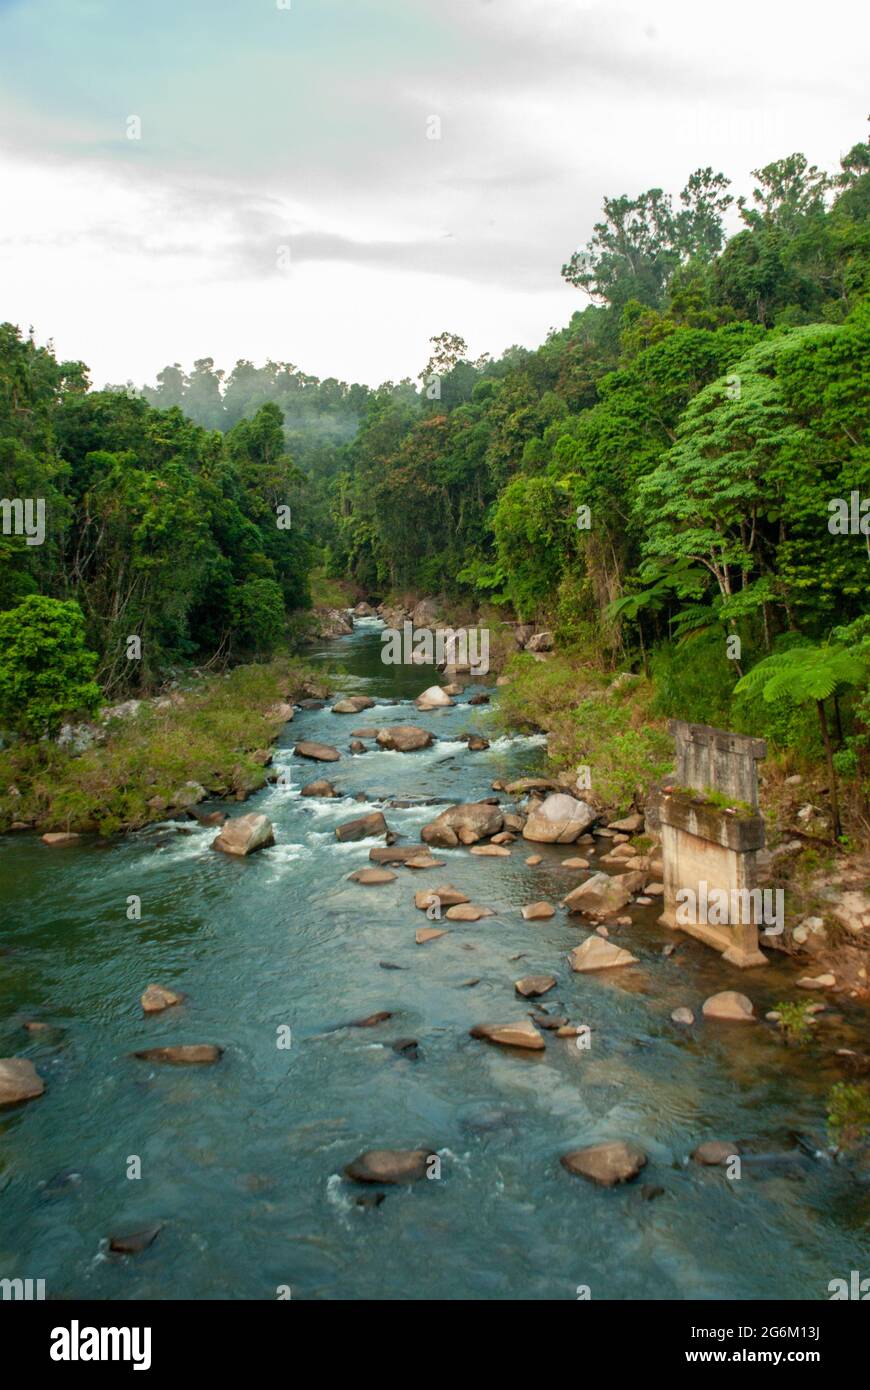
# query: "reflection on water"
[[243, 1161]]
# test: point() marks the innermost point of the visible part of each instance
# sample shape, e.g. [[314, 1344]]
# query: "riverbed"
[[242, 1162]]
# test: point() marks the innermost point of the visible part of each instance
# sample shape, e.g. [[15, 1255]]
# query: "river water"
[[243, 1161]]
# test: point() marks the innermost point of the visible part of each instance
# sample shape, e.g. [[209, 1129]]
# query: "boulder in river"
[[19, 1081], [390, 1165], [362, 828], [599, 896], [357, 746], [480, 699], [522, 1033], [491, 851], [282, 711], [476, 743], [424, 861], [445, 893], [683, 1016], [468, 912], [241, 835], [367, 732], [156, 998], [538, 912], [435, 697], [629, 824], [184, 1055], [559, 820], [319, 788], [60, 837], [352, 704], [532, 986], [373, 876], [597, 954], [606, 1164], [319, 752], [404, 738], [730, 1007], [464, 824], [714, 1153]]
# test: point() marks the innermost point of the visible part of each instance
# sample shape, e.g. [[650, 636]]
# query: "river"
[[243, 1160]]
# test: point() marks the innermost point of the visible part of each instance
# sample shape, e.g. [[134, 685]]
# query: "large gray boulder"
[[318, 752], [560, 820], [241, 835], [601, 896], [434, 697], [463, 825]]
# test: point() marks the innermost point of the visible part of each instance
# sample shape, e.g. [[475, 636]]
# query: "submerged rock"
[[424, 934], [186, 1054], [714, 1153], [606, 1164], [155, 999], [520, 1034], [397, 854], [136, 1242], [241, 835], [371, 1020], [490, 851], [468, 912], [19, 1081], [390, 1165]]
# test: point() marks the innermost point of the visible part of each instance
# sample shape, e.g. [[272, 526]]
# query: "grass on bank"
[[207, 733]]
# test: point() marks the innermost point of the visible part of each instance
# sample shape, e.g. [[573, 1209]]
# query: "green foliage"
[[794, 1022], [848, 1115], [46, 669]]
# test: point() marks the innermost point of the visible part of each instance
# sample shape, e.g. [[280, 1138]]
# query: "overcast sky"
[[284, 199]]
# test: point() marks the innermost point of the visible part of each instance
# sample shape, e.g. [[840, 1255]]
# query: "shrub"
[[46, 671]]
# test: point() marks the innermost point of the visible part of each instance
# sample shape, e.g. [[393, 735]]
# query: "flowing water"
[[243, 1160]]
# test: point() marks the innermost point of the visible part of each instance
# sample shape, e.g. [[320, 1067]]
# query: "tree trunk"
[[832, 776]]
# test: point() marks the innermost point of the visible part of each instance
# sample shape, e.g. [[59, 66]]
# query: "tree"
[[46, 671], [808, 673]]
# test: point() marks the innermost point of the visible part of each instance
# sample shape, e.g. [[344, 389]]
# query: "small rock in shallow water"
[[606, 1164], [361, 828], [60, 837], [370, 1020], [714, 1153], [136, 1242], [319, 752], [534, 859], [389, 965], [390, 1165], [683, 1015], [188, 1054], [468, 912], [596, 954], [446, 894], [650, 1190], [490, 851], [531, 986], [538, 912], [406, 1047], [19, 1081], [520, 1034], [156, 998], [319, 788], [730, 1007]]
